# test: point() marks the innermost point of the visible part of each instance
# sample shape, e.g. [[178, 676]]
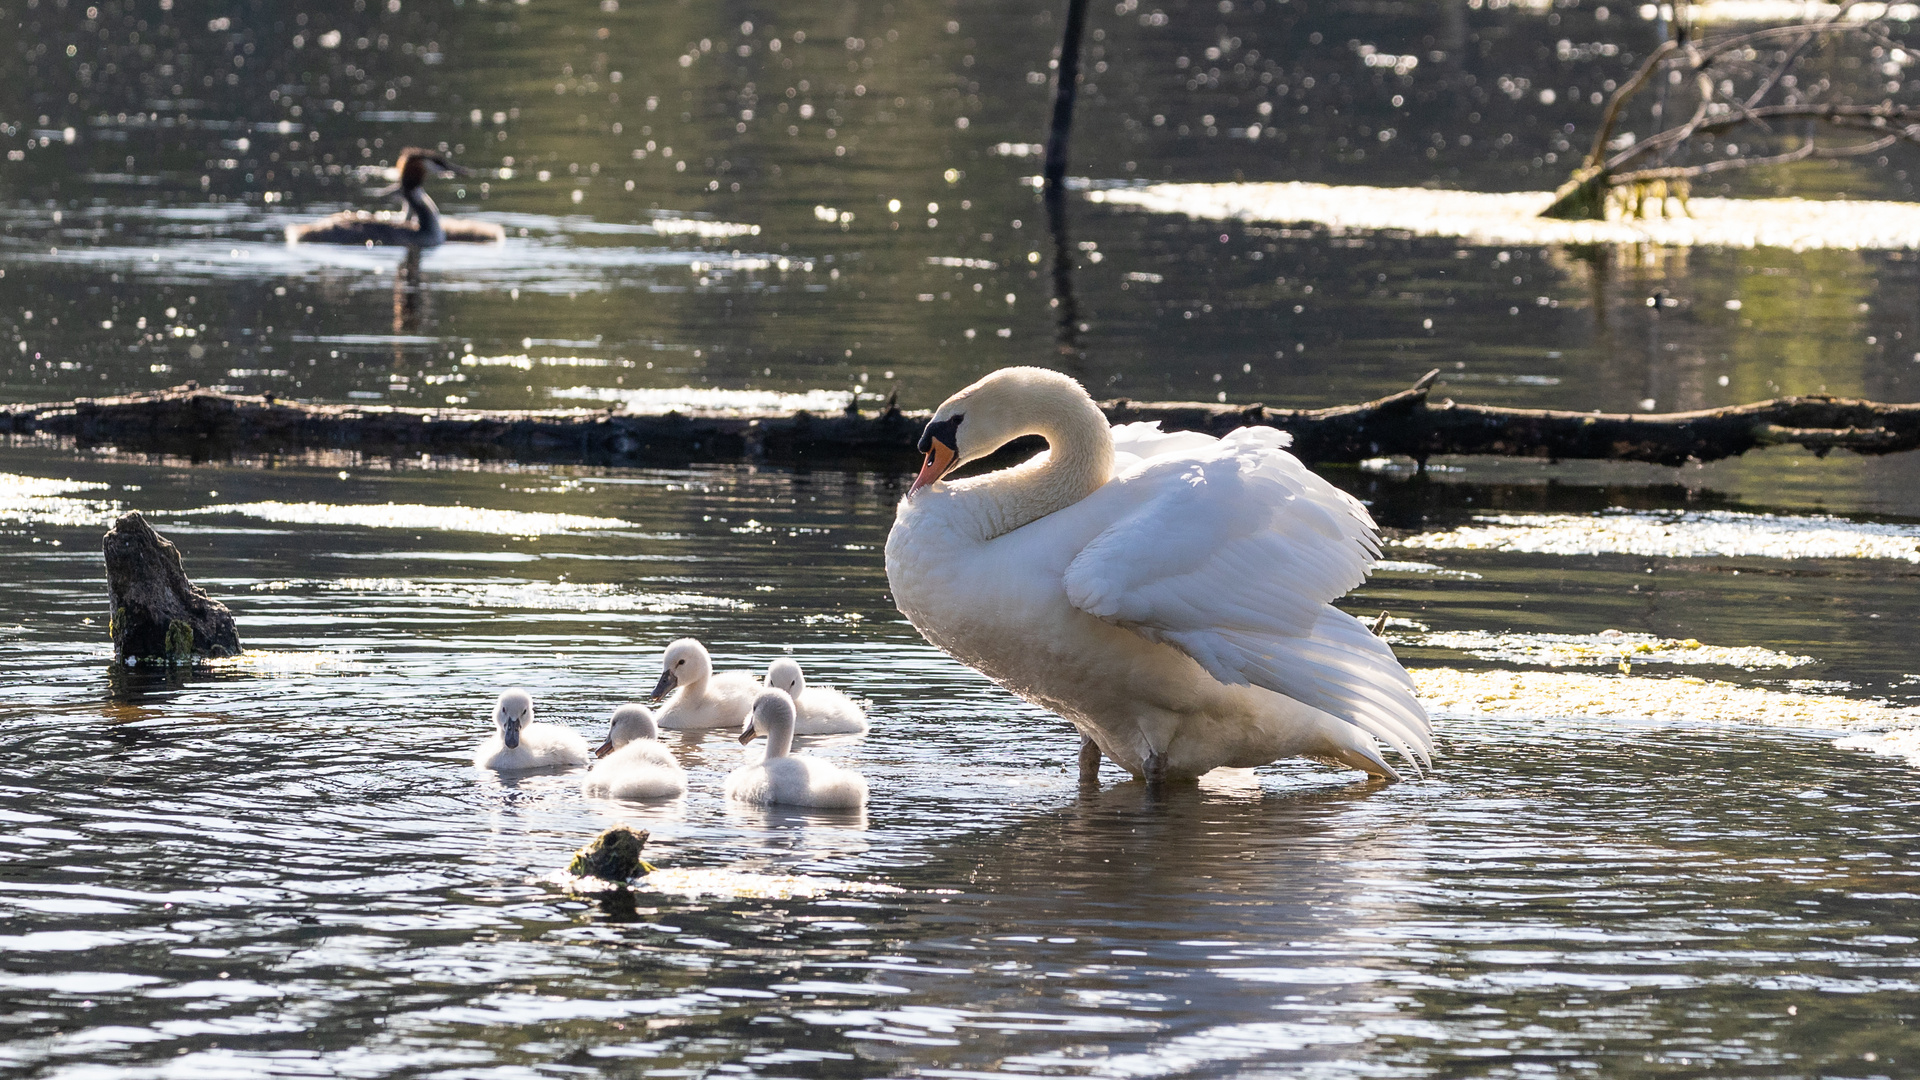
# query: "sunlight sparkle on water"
[[1606, 647], [1552, 694], [1678, 535], [535, 595], [1514, 218], [470, 519]]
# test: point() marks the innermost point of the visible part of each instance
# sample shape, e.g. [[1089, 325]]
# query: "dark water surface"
[[286, 865], [289, 867]]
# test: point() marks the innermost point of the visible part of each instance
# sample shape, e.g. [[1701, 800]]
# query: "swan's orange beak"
[[939, 459]]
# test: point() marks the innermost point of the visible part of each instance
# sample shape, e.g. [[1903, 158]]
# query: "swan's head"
[[686, 663], [993, 412], [772, 716], [630, 722], [513, 712], [784, 674]]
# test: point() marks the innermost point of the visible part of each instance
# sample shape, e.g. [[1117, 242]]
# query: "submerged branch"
[[204, 424]]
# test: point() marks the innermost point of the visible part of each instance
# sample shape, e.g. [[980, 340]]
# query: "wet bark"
[[206, 425], [155, 612]]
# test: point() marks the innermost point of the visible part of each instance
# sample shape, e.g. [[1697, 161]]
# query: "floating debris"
[[535, 595], [471, 519], [614, 856], [1604, 648], [690, 399], [1903, 743], [1392, 566], [1564, 695], [1678, 535], [271, 662], [745, 884], [1514, 218]]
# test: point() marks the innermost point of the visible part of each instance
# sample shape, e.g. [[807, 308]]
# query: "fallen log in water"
[[205, 424]]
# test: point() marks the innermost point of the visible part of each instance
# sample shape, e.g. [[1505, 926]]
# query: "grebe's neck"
[[420, 208]]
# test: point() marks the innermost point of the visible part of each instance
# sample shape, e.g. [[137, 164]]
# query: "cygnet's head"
[[685, 664], [630, 722], [513, 712], [996, 410], [784, 674], [772, 716]]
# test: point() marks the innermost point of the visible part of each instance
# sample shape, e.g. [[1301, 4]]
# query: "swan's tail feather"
[[1347, 745]]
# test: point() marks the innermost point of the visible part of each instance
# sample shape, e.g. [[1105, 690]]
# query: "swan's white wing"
[[1133, 443], [1232, 552]]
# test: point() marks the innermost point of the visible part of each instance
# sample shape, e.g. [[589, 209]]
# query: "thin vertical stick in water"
[[1053, 179]]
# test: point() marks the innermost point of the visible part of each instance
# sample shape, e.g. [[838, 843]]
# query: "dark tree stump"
[[156, 613]]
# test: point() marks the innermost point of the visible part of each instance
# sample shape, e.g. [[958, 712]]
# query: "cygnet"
[[781, 779], [700, 698], [633, 764], [817, 710], [518, 743]]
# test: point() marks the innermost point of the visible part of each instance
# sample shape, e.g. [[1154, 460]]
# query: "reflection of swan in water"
[[421, 224]]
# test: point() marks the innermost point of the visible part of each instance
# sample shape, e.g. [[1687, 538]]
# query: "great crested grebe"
[[421, 225]]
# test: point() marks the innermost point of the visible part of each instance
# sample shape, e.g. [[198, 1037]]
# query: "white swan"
[[700, 698], [780, 779], [633, 764], [817, 710], [1168, 593], [518, 743]]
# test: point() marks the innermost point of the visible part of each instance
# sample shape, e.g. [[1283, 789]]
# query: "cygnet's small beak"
[[666, 684], [511, 736], [749, 732], [605, 748], [939, 459]]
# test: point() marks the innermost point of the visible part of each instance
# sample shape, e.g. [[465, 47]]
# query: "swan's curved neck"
[[1077, 462], [779, 741]]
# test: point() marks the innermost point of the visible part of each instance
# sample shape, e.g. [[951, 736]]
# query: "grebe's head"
[[416, 165]]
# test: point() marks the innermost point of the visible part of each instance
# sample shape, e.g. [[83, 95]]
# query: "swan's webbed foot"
[[1089, 761], [1154, 770]]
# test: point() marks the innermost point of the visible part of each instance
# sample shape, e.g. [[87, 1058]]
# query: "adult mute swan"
[[700, 698], [780, 779], [420, 225], [518, 743], [817, 710], [1167, 593], [633, 764]]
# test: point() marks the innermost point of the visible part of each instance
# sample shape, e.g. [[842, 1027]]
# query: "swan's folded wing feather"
[[1233, 554], [1144, 440]]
